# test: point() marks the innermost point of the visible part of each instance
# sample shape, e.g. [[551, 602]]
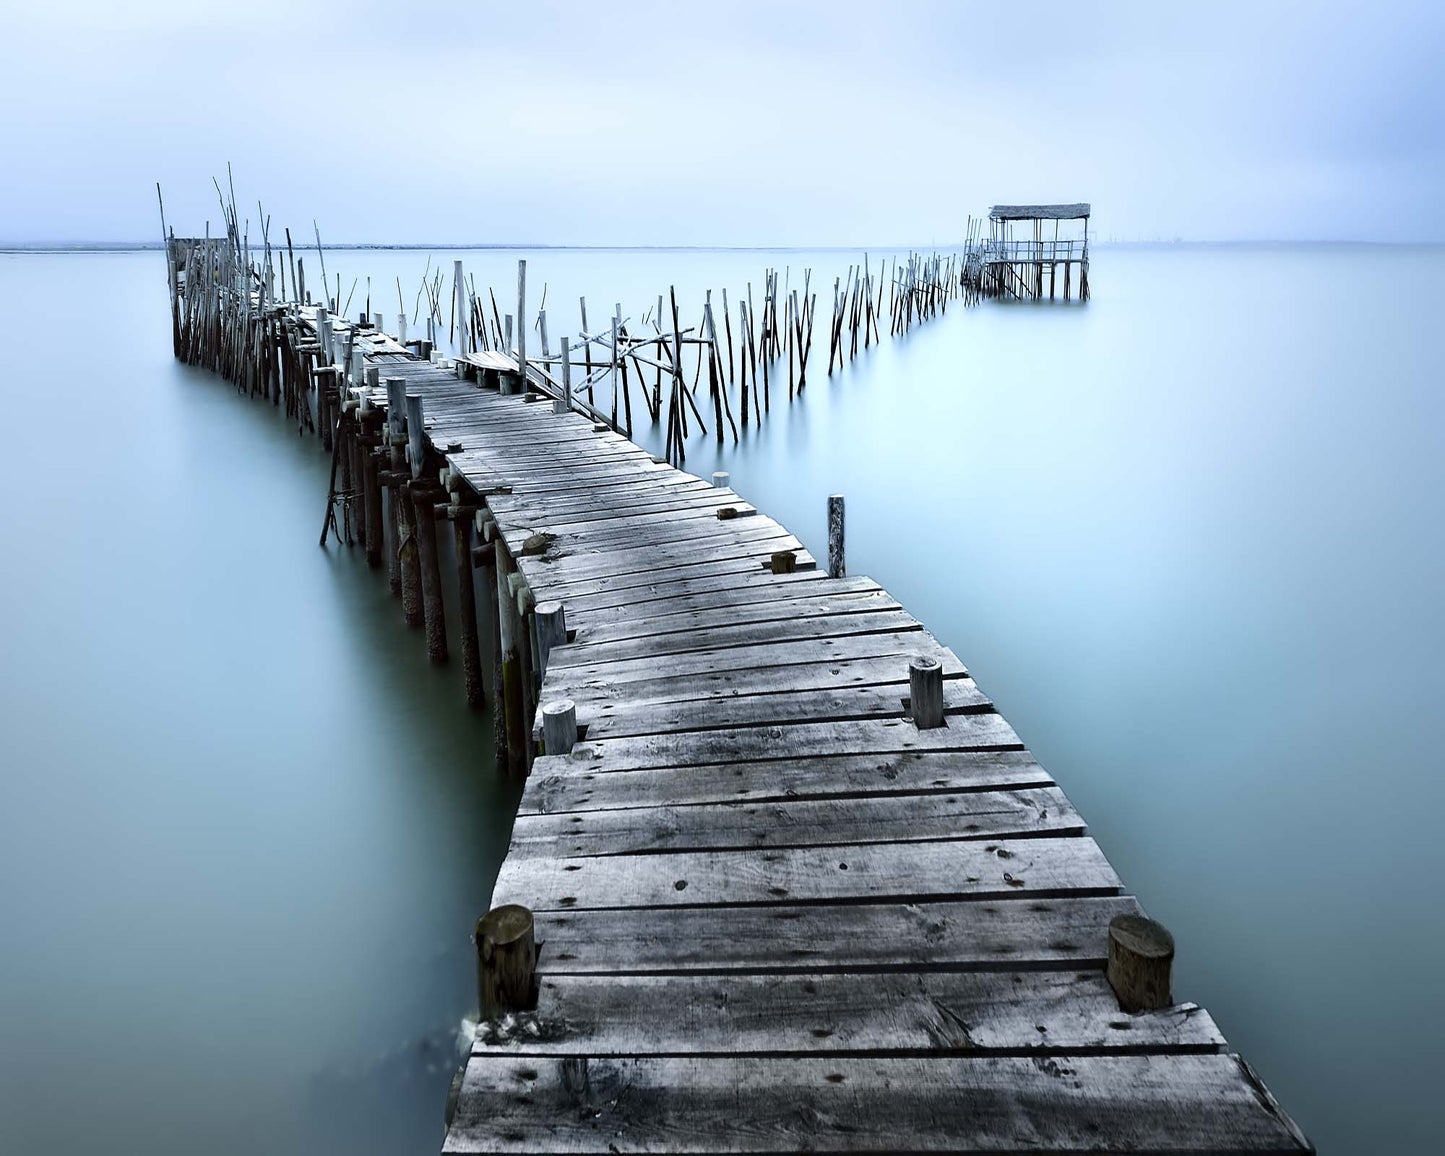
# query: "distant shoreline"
[[61, 247]]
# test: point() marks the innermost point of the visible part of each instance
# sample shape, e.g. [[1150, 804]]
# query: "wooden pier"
[[782, 878]]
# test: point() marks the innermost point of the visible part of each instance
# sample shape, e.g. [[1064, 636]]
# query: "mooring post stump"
[[837, 566], [551, 620], [784, 562], [720, 479], [1141, 960], [925, 692], [559, 726], [506, 961]]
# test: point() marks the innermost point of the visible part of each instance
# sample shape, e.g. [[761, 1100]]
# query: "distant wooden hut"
[[1023, 253]]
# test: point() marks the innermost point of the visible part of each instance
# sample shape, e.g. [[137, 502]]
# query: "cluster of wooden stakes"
[[769, 345]]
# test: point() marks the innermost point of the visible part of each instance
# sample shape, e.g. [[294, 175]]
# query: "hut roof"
[[1039, 212]]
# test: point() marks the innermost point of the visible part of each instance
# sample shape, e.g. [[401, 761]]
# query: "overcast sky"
[[735, 123]]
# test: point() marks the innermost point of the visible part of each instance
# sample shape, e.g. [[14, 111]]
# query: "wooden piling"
[[551, 620], [837, 566], [559, 726], [506, 961], [424, 498], [1141, 959], [467, 609], [510, 638], [371, 467], [522, 322], [925, 692], [403, 512], [563, 404]]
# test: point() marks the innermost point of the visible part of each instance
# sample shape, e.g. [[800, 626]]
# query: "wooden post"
[[355, 453], [720, 479], [506, 961], [485, 556], [526, 650], [784, 562], [371, 465], [613, 371], [466, 592], [459, 304], [522, 322], [563, 404], [424, 503], [1141, 957], [403, 516], [551, 631], [837, 567], [559, 726], [510, 629], [415, 434], [925, 691]]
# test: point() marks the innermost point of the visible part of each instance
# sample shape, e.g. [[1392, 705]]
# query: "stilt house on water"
[[1027, 267]]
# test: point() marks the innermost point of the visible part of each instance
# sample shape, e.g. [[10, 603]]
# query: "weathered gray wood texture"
[[772, 913]]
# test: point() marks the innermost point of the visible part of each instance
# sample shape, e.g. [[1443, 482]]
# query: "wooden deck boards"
[[774, 915]]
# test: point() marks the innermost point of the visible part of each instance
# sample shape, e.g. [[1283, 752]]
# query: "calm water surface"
[[1188, 538]]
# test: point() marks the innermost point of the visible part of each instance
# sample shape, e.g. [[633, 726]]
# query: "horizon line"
[[16, 247]]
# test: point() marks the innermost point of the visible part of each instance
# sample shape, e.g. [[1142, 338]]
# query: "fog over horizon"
[[647, 124]]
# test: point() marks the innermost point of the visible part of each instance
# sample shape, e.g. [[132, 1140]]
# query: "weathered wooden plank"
[[587, 530], [626, 715], [677, 501], [770, 654], [1027, 932], [583, 598], [549, 476], [963, 732], [885, 676], [817, 601], [936, 1013], [743, 599], [688, 522], [1179, 1103], [800, 627], [594, 477], [743, 558], [659, 492], [905, 872], [754, 538], [798, 823], [556, 786], [563, 459], [655, 546]]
